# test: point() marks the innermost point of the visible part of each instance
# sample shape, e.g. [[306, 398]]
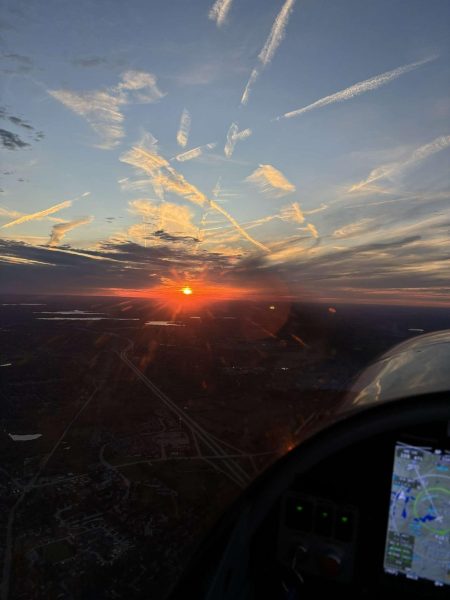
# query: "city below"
[[127, 429]]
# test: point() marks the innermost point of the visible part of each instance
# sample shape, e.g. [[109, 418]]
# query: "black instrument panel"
[[332, 523]]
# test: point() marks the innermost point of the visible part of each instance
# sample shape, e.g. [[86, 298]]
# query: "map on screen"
[[418, 533]]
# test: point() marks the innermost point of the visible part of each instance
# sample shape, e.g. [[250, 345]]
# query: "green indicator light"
[[299, 508], [344, 519]]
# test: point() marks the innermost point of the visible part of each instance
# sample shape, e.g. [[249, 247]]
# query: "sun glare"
[[187, 291]]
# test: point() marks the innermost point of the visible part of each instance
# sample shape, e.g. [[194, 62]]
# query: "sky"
[[283, 148]]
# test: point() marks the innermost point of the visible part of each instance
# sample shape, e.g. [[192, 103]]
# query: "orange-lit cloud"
[[293, 212], [39, 215], [167, 179], [271, 181], [171, 218]]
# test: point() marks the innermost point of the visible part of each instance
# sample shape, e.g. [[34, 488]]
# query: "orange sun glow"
[[187, 291]]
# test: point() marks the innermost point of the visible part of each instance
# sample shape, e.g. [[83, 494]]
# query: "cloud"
[[143, 85], [277, 33], [352, 229], [246, 94], [394, 168], [271, 181], [11, 214], [90, 61], [293, 212], [267, 53], [358, 88], [173, 219], [234, 136], [114, 264], [195, 152], [11, 141], [219, 11], [166, 179], [61, 229], [313, 230], [184, 128], [22, 64], [20, 122], [102, 108], [39, 215]]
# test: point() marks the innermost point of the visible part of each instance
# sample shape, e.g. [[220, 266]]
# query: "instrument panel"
[[374, 518]]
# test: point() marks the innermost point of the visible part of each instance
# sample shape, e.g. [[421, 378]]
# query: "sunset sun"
[[187, 291]]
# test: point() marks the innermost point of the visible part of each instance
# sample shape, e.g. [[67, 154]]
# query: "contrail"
[[358, 88], [39, 215], [190, 154], [277, 33], [440, 143], [253, 77], [219, 11], [167, 178], [233, 136], [60, 230], [185, 126], [233, 221], [275, 38]]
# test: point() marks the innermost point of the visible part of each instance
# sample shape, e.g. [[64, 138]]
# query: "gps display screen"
[[418, 533]]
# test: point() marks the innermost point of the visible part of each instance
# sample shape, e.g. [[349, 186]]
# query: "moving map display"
[[418, 534]]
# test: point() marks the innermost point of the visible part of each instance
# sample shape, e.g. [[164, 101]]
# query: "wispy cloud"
[[391, 169], [358, 88], [195, 152], [267, 53], [271, 181], [102, 108], [9, 213], [234, 136], [61, 229], [219, 11], [17, 260], [143, 85], [11, 141], [184, 128]]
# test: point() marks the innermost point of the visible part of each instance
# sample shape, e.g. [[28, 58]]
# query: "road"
[[218, 450]]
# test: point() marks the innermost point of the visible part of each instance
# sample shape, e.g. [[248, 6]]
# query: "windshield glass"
[[213, 216]]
